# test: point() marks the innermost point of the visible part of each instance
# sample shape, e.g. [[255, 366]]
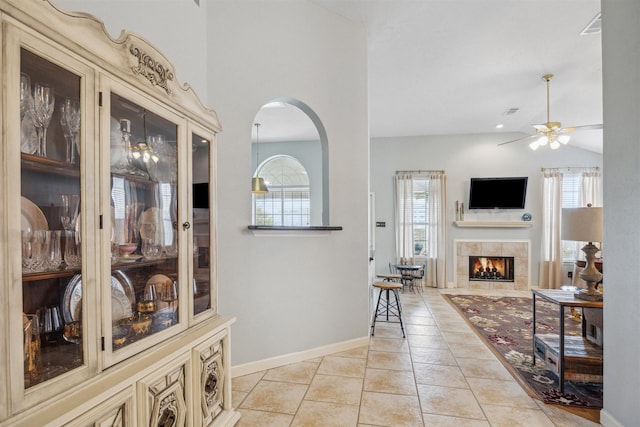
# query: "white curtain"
[[550, 275], [589, 192], [436, 232], [590, 189], [435, 275], [404, 218]]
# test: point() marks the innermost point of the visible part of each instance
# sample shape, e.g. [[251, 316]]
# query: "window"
[[287, 203], [570, 196], [420, 216]]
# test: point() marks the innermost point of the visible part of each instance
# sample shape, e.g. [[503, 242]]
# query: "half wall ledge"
[[494, 224], [314, 230]]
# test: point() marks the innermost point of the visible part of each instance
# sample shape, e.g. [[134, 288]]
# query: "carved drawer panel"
[[209, 367], [163, 397]]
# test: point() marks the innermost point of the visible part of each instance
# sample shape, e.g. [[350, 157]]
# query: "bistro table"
[[407, 273]]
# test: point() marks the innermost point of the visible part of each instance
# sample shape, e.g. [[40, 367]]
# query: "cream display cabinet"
[[108, 310]]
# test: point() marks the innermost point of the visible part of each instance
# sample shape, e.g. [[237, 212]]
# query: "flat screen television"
[[201, 195], [497, 193]]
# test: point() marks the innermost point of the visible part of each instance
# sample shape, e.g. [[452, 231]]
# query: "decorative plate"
[[151, 224], [160, 281], [122, 298], [32, 217]]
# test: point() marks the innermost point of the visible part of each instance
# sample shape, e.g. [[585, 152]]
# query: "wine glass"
[[26, 99], [69, 215], [43, 103], [169, 294], [70, 121]]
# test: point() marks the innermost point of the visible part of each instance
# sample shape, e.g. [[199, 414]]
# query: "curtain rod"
[[422, 171], [568, 168]]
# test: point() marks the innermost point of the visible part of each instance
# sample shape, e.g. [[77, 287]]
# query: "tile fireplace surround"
[[519, 249]]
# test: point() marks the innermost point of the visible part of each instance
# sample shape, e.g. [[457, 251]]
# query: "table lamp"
[[585, 225]]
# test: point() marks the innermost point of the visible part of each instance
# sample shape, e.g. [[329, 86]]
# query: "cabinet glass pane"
[[144, 236], [201, 231], [50, 221]]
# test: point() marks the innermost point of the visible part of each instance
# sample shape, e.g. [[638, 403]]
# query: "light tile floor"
[[442, 374]]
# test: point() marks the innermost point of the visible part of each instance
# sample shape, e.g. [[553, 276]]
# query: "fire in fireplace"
[[497, 268]]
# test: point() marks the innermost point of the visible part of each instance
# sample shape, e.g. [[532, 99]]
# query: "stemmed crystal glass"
[[26, 98], [169, 294], [70, 121], [43, 103], [69, 214]]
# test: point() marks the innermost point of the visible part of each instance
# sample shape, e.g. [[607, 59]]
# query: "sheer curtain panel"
[[550, 275]]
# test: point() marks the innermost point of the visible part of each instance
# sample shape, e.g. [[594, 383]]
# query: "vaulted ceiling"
[[460, 66]]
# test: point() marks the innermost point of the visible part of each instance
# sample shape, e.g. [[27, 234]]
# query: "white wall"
[[175, 27], [290, 294], [463, 157], [621, 62]]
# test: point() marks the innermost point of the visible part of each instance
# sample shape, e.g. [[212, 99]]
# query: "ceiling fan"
[[551, 133]]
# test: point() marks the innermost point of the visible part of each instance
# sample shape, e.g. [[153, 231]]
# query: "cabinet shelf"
[[44, 164], [46, 275], [494, 224]]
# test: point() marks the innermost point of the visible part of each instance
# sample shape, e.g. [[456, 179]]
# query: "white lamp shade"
[[582, 224]]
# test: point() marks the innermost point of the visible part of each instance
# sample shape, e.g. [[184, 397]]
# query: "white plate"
[[122, 298], [28, 135], [32, 217]]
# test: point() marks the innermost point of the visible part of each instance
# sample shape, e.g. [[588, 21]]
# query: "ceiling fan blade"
[[541, 128], [519, 139], [588, 127]]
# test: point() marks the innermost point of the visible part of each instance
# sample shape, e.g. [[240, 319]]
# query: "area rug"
[[506, 324]]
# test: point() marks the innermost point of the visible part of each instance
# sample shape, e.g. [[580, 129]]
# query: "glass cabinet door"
[[145, 272], [51, 199], [202, 234]]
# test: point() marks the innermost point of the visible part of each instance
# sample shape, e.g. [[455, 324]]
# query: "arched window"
[[287, 203]]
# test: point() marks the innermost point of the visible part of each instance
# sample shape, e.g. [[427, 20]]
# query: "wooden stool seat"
[[387, 285], [388, 307]]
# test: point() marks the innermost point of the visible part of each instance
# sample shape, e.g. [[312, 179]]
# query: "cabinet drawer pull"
[[186, 225]]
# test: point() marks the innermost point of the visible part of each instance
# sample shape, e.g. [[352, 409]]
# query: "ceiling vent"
[[594, 27], [511, 111]]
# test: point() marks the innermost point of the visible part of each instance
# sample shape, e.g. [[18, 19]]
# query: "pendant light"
[[257, 183]]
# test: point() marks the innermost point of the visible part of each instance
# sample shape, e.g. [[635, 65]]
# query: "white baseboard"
[[607, 420], [285, 359]]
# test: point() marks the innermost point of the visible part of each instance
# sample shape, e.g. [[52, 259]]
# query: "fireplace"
[[520, 250], [491, 268]]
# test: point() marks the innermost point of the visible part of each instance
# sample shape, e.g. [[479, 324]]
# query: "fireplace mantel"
[[494, 224]]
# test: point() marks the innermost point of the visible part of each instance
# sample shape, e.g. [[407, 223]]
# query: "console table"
[[585, 357]]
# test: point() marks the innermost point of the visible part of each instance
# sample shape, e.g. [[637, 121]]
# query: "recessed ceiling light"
[[499, 126]]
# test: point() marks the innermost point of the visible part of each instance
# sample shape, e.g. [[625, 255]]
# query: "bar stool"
[[388, 308], [389, 277]]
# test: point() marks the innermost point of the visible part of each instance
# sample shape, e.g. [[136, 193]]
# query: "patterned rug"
[[506, 324]]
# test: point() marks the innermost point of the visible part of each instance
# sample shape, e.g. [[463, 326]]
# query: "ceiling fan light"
[[534, 145], [564, 138], [554, 145], [542, 140]]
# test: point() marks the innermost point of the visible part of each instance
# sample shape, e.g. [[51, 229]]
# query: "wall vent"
[[594, 27]]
